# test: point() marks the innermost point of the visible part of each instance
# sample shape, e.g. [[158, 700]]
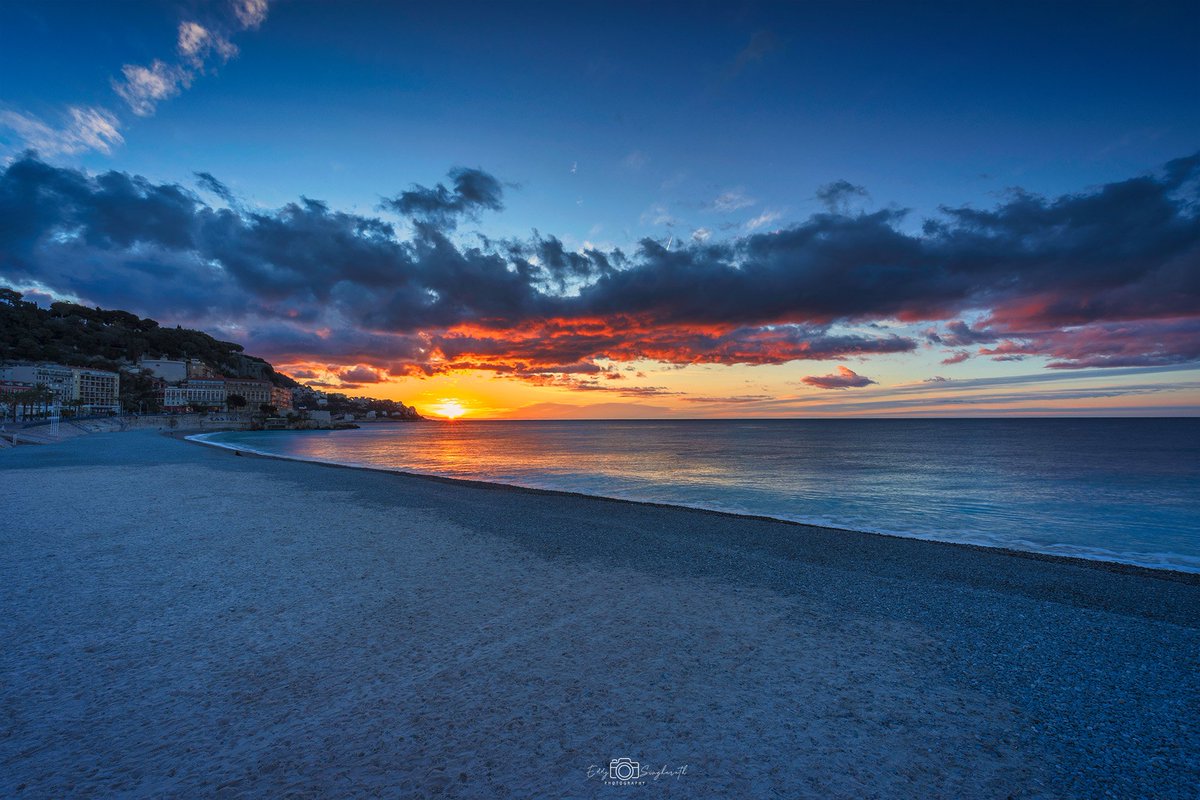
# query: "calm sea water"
[[1124, 490]]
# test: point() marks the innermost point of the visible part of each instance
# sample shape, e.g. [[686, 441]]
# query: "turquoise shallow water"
[[1123, 490]]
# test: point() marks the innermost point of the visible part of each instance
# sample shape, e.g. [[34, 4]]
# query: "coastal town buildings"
[[214, 392], [193, 384], [59, 379], [308, 397], [35, 390], [281, 398], [84, 390], [316, 404], [257, 393], [196, 368], [20, 400], [208, 392], [174, 398], [97, 391]]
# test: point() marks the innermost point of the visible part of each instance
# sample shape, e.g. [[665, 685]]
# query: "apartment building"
[[97, 391], [281, 398], [175, 398], [207, 392], [58, 378], [90, 391], [257, 393]]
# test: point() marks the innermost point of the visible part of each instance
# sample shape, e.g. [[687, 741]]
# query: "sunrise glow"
[[450, 409]]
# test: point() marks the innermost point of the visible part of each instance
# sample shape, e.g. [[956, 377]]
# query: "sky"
[[576, 210]]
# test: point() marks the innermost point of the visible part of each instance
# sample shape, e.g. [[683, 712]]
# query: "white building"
[[169, 371], [175, 397], [257, 393], [97, 391], [214, 392], [57, 378], [91, 391], [195, 393], [208, 392]]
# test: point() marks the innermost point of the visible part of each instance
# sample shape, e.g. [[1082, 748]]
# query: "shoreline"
[[1167, 573]]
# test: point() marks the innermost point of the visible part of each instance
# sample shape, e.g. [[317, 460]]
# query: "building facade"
[[257, 393], [57, 378], [196, 368], [206, 392], [166, 369], [89, 391], [97, 391], [281, 398], [20, 400], [174, 398], [214, 393]]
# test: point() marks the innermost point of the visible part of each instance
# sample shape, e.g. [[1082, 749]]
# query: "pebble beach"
[[181, 620]]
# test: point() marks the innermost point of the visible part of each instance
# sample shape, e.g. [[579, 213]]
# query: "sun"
[[448, 408]]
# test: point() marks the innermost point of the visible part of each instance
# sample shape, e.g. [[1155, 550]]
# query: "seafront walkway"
[[49, 431]]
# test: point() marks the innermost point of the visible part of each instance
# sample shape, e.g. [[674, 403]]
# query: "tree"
[[268, 410], [140, 391], [76, 335], [235, 402], [75, 407]]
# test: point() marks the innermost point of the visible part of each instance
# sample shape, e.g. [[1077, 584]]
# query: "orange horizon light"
[[449, 408]]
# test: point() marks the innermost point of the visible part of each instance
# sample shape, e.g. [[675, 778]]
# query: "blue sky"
[[609, 123], [669, 104]]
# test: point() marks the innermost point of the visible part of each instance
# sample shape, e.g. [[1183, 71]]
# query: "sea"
[[1125, 490]]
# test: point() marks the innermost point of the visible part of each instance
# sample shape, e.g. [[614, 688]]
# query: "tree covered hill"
[[72, 334]]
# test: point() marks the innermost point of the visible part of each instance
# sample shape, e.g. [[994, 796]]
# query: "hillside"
[[72, 334]]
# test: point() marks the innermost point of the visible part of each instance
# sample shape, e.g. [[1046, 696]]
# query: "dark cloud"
[[1104, 277], [844, 378], [361, 374], [473, 191], [208, 182], [960, 334], [331, 386], [837, 195]]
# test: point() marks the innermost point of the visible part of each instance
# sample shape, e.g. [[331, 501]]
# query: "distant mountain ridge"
[[68, 333]]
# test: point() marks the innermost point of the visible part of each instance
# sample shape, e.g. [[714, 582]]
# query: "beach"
[[182, 620]]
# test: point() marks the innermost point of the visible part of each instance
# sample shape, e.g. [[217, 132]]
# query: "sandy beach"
[[182, 621]]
